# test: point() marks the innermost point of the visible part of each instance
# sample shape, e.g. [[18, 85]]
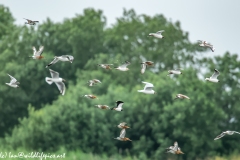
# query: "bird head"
[[63, 80], [150, 34]]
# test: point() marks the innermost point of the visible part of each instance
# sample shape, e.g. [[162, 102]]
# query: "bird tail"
[[48, 80]]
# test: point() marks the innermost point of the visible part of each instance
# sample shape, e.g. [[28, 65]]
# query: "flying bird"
[[119, 106], [61, 58], [225, 133], [174, 149], [213, 78], [37, 54], [122, 136], [102, 106], [123, 67], [181, 96], [206, 44], [57, 80], [105, 66], [30, 22], [123, 125], [157, 34], [176, 71], [93, 82], [90, 96], [145, 64], [148, 89], [13, 82]]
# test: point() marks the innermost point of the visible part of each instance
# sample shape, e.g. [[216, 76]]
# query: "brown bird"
[[123, 125], [122, 136], [90, 96], [102, 106], [105, 66], [145, 64], [93, 82], [37, 54], [181, 96], [174, 149], [30, 22]]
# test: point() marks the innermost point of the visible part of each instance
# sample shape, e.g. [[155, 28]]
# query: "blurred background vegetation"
[[35, 117]]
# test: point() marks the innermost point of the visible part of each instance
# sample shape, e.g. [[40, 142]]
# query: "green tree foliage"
[[72, 121]]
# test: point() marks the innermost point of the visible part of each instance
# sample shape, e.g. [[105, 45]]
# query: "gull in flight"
[[61, 58], [123, 125], [145, 64], [102, 106], [57, 80], [37, 54], [123, 67], [119, 106], [30, 22], [13, 82], [176, 71], [122, 136], [90, 96], [181, 96], [148, 89], [105, 66], [213, 78], [174, 149], [205, 44], [157, 34], [93, 82], [225, 133]]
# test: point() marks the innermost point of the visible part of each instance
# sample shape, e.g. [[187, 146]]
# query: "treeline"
[[36, 117]]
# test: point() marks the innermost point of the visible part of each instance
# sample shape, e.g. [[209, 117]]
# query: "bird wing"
[[123, 124], [28, 20], [54, 74], [215, 74], [34, 50], [13, 80], [144, 66], [55, 60], [184, 96], [236, 132], [125, 64], [148, 86], [61, 87], [220, 136], [70, 58], [39, 52], [119, 105], [159, 32], [175, 146], [122, 133]]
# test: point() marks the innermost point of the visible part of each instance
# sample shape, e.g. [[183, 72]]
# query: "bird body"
[[181, 96], [122, 136], [119, 106], [148, 89], [213, 78], [63, 58], [30, 22], [225, 133], [13, 82], [144, 65], [123, 67], [157, 34], [37, 54], [57, 80]]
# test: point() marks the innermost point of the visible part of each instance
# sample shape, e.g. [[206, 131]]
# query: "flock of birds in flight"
[[148, 88]]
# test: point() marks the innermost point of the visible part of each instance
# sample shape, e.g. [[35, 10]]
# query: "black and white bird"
[[30, 22], [13, 82], [148, 88], [213, 78], [119, 106], [157, 34], [225, 133], [123, 67], [206, 44], [144, 65], [63, 58], [57, 80]]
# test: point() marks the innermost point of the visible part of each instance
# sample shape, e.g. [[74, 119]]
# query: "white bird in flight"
[[123, 67], [213, 78], [145, 64], [206, 44], [93, 82], [157, 34], [13, 82], [175, 71], [148, 89], [119, 106], [225, 133], [57, 80], [37, 54], [61, 58]]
